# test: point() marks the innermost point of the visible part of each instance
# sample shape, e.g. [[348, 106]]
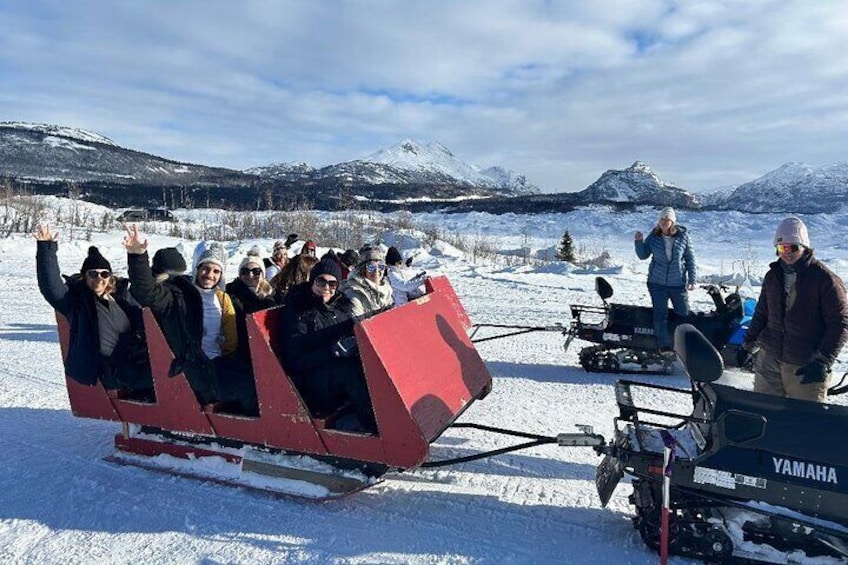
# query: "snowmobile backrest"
[[603, 288], [701, 360]]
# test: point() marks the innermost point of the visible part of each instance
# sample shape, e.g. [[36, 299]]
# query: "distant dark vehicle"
[[146, 215]]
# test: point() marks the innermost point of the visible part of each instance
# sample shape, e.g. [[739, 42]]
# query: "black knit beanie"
[[393, 256], [326, 266], [95, 261], [350, 258], [168, 259]]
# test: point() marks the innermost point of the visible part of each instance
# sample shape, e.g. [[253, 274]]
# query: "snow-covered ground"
[[61, 503]]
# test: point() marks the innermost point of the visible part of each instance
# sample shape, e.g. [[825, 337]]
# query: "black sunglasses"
[[255, 271], [326, 283], [94, 273]]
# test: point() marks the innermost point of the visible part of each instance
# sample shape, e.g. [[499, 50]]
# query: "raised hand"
[[637, 236], [43, 233], [133, 242]]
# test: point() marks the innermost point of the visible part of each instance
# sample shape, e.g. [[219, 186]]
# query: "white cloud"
[[708, 93]]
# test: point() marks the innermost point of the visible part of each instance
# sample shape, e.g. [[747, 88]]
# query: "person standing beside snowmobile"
[[106, 330], [801, 320], [671, 272]]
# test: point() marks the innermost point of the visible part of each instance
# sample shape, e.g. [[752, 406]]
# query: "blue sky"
[[707, 93]]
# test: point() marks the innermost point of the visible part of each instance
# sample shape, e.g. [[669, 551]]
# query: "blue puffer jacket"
[[680, 271]]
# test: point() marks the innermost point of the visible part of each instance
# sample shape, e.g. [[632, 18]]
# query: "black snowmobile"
[[753, 477], [624, 333]]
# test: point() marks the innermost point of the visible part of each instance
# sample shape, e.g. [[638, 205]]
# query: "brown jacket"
[[816, 327]]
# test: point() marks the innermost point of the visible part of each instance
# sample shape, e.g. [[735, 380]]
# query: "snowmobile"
[[752, 476], [420, 367], [624, 334]]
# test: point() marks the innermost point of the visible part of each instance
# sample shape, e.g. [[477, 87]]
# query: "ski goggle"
[[788, 248], [254, 272], [374, 267], [326, 283], [94, 273]]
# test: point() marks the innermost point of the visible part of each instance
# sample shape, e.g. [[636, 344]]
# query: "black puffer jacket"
[[815, 326], [178, 308], [76, 302], [245, 300], [310, 329]]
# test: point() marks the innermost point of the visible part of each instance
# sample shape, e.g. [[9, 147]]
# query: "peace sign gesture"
[[43, 233], [133, 242]]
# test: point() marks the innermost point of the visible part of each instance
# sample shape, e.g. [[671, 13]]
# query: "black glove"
[[813, 372], [345, 347], [409, 261], [291, 239]]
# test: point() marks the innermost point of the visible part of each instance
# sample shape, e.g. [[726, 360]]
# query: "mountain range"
[[410, 175]]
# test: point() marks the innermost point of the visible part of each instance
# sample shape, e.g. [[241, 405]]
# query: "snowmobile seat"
[[782, 420], [630, 316]]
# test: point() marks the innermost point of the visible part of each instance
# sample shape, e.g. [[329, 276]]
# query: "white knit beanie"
[[253, 259], [214, 254], [668, 212], [792, 231]]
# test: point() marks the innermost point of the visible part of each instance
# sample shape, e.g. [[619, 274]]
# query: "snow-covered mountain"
[[406, 163], [60, 132], [294, 170], [792, 188], [48, 153], [434, 160], [637, 184], [47, 156]]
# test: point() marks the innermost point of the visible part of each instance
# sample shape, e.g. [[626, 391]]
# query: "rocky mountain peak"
[[636, 184]]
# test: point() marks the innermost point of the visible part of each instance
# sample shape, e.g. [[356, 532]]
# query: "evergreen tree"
[[565, 252]]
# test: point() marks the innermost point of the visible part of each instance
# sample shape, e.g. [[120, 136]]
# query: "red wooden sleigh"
[[421, 369]]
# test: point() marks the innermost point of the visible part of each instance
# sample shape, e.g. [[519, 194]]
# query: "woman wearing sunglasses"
[[106, 332], [369, 290], [250, 293], [801, 320], [320, 349]]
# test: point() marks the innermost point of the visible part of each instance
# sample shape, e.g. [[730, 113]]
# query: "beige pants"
[[775, 377]]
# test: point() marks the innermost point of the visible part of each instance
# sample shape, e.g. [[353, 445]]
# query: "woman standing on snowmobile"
[[106, 331], [671, 272]]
